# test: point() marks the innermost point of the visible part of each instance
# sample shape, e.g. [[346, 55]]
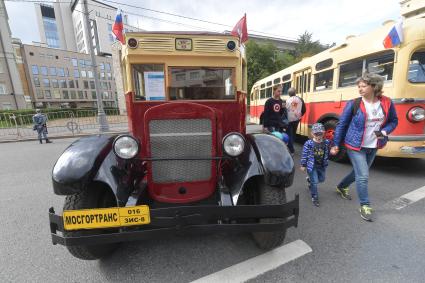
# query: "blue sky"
[[328, 20]]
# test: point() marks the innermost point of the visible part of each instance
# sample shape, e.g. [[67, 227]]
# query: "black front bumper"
[[188, 220]]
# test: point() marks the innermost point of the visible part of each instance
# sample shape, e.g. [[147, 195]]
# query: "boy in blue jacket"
[[314, 159]]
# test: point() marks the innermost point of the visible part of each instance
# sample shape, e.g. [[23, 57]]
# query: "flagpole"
[[101, 116]]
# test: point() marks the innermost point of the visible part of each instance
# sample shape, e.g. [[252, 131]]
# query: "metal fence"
[[63, 123]]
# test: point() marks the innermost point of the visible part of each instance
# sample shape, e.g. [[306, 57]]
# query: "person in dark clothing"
[[296, 109], [275, 112], [39, 120]]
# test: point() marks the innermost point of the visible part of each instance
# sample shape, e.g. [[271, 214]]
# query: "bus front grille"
[[181, 140]]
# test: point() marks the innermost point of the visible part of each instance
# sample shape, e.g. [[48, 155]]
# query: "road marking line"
[[409, 198], [255, 266]]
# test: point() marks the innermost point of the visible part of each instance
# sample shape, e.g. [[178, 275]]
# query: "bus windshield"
[[417, 67], [201, 83]]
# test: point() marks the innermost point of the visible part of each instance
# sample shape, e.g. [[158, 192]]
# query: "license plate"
[[106, 217]]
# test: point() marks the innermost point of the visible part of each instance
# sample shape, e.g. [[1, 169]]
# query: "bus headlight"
[[416, 114], [233, 144], [125, 146]]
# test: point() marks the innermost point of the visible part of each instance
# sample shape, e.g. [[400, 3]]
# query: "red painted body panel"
[[226, 116], [317, 110]]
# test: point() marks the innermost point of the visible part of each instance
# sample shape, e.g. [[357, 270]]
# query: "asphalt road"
[[344, 247]]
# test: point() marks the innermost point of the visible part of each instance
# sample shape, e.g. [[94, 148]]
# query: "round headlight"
[[416, 114], [126, 147], [233, 144], [231, 45], [132, 43]]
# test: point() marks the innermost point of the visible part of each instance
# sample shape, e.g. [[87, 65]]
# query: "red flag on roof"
[[240, 30], [118, 27]]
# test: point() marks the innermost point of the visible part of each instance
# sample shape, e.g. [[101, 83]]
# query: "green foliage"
[[266, 59], [306, 47]]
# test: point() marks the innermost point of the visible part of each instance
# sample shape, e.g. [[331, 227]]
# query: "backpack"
[[356, 106]]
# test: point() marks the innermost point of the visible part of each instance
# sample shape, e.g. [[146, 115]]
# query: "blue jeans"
[[317, 175], [361, 161]]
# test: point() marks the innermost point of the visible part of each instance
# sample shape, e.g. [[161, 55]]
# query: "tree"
[[306, 47], [264, 60]]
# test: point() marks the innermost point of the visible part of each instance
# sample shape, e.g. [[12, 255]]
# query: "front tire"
[[269, 195], [93, 197]]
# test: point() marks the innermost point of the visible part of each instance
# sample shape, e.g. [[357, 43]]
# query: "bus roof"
[[354, 47]]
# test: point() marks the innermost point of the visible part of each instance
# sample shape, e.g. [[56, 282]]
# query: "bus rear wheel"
[[330, 127]]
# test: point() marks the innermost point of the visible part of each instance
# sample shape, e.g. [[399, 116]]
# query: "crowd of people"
[[363, 128]]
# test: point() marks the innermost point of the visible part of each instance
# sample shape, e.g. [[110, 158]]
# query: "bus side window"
[[262, 93], [382, 64], [269, 92], [348, 73], [323, 80]]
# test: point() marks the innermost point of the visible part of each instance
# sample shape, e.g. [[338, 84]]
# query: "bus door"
[[302, 85], [255, 116]]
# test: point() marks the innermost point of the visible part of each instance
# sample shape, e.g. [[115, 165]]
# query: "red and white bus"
[[326, 81]]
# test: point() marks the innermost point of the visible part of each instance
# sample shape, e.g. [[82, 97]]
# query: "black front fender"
[[264, 156], [79, 164]]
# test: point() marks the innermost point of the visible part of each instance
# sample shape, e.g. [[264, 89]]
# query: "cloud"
[[328, 20]]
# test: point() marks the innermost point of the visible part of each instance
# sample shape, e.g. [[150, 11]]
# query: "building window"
[[62, 84], [93, 95], [36, 81], [86, 84], [111, 38], [90, 73], [73, 94], [109, 76], [34, 69], [71, 84], [82, 63], [55, 83], [31, 53], [44, 70], [60, 72], [65, 94], [102, 66], [2, 89], [76, 73], [92, 85], [52, 71], [50, 27], [108, 66], [46, 83], [47, 94], [80, 94], [56, 94], [83, 73], [88, 63], [39, 93], [74, 62]]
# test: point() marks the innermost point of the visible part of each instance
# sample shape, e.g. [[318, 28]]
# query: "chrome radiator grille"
[[181, 138]]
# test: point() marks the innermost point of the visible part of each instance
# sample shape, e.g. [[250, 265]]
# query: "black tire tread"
[[270, 195], [84, 200]]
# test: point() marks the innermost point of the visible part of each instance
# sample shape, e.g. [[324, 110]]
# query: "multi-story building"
[[62, 25], [59, 78], [11, 91], [412, 8]]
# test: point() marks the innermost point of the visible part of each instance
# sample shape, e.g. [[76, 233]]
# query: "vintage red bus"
[[187, 164], [326, 81]]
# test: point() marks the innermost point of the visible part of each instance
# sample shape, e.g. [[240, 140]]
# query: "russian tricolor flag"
[[118, 27], [395, 36]]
